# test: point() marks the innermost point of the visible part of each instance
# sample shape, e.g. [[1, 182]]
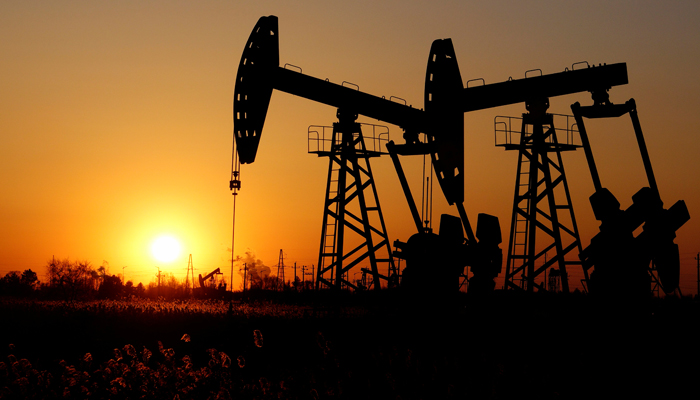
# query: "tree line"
[[70, 280], [79, 280]]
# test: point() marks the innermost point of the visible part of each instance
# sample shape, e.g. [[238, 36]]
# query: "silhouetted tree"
[[71, 280], [111, 287], [170, 287], [140, 291], [9, 283], [19, 285], [128, 288], [29, 279]]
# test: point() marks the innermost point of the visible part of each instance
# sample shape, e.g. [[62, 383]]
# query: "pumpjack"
[[624, 264], [441, 124], [203, 279], [259, 73]]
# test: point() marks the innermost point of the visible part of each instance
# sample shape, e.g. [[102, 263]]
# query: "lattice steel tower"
[[543, 218], [353, 229], [280, 272]]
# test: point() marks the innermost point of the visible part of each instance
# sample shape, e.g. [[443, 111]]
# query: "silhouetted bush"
[[19, 285]]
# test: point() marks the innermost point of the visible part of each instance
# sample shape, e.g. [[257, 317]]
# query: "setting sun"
[[165, 249]]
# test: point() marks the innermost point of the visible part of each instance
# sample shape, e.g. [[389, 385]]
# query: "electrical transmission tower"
[[280, 272]]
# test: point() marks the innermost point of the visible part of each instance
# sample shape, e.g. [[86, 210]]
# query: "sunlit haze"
[[117, 121], [166, 249]]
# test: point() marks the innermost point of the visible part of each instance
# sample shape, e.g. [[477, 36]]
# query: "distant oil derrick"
[[280, 272]]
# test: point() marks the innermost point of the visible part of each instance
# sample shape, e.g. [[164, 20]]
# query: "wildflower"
[[241, 361], [87, 358], [130, 350], [23, 383], [185, 337], [146, 354], [15, 367], [258, 338], [225, 360], [25, 364], [119, 381], [11, 346], [117, 355]]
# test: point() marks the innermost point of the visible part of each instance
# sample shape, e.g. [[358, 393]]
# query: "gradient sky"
[[117, 122]]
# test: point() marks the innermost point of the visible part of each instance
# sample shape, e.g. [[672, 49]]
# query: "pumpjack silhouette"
[[438, 261]]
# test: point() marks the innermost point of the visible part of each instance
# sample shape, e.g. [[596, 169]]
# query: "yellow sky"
[[116, 118]]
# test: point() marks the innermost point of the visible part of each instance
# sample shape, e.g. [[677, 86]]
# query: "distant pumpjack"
[[624, 264], [205, 278]]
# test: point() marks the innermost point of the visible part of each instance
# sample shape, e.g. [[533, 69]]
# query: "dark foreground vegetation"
[[368, 345]]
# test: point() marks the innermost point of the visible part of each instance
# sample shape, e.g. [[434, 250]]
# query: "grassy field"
[[368, 346]]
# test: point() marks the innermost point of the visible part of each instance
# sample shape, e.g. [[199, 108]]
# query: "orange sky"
[[117, 127]]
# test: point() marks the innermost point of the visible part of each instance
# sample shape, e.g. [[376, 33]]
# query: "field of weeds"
[[498, 347]]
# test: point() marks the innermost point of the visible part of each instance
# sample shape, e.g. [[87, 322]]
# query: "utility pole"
[[295, 275], [245, 275], [158, 280], [304, 268], [190, 267]]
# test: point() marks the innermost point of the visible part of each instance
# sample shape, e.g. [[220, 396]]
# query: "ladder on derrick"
[[353, 231], [543, 220]]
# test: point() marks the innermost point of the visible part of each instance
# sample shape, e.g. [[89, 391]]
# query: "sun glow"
[[165, 248]]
